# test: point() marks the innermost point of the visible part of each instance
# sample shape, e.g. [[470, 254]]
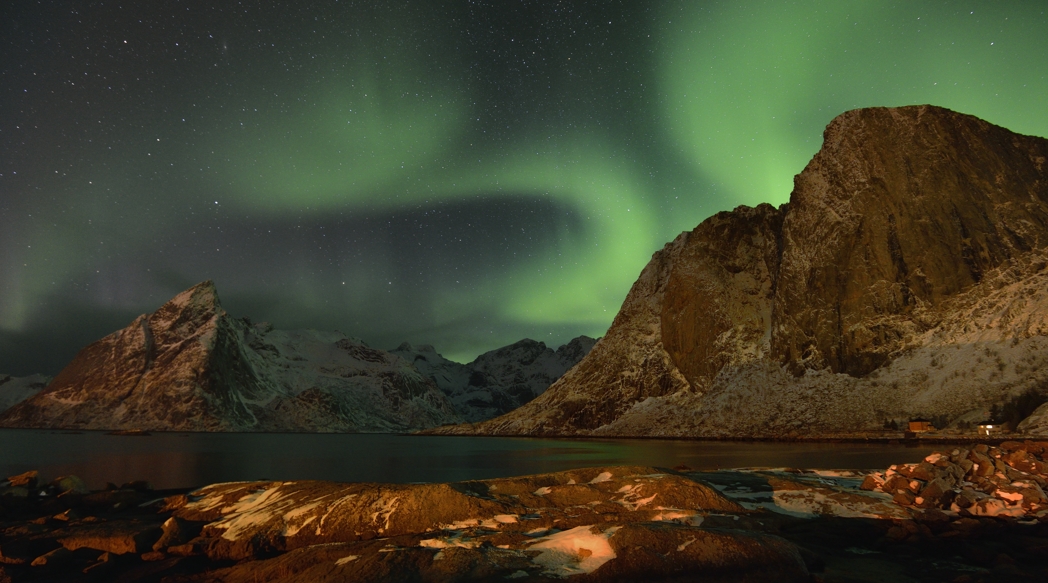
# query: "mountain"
[[907, 276], [14, 390], [500, 380], [190, 366]]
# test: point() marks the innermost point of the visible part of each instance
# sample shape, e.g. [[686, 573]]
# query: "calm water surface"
[[177, 460]]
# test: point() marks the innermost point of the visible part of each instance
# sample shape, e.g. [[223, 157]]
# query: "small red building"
[[917, 425]]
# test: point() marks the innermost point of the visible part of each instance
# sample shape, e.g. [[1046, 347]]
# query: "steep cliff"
[[906, 276]]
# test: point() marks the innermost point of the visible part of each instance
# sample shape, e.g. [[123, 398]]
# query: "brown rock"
[[176, 532], [25, 480], [190, 366], [897, 483], [925, 471], [933, 492], [70, 485], [983, 464], [8, 560], [904, 498], [851, 250], [55, 558], [1012, 446], [114, 537], [105, 562], [905, 226], [237, 530]]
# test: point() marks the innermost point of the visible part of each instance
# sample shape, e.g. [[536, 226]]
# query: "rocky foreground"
[[594, 524]]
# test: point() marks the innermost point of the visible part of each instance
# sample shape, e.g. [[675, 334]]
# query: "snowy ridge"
[[498, 381]]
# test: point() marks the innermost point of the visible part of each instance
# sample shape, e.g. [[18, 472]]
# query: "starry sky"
[[456, 173]]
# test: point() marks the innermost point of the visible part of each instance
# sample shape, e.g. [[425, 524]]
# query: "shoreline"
[[615, 523], [896, 438]]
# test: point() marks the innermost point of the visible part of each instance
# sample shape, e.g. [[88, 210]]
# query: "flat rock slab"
[[117, 537], [629, 552], [255, 518]]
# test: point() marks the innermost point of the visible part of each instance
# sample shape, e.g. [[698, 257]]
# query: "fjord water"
[[181, 460]]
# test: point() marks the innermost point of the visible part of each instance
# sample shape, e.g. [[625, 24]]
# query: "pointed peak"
[[202, 295]]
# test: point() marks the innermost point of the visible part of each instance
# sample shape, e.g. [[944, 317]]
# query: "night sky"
[[462, 174]]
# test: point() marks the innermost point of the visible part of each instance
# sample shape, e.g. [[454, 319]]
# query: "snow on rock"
[[246, 518], [14, 390], [498, 381], [1005, 480], [907, 276], [574, 552], [481, 530], [191, 366]]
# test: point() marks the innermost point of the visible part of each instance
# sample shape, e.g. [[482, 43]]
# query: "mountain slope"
[[14, 390], [190, 366], [500, 380], [906, 276]]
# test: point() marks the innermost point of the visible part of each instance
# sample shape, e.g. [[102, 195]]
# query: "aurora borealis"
[[462, 174]]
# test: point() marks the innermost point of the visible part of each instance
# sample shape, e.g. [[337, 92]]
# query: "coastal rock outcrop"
[[907, 276], [1005, 480], [611, 524], [190, 366]]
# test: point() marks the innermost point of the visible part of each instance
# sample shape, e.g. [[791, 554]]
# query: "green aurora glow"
[[434, 172]]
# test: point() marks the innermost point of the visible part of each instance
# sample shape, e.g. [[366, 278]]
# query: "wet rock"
[[55, 558], [105, 562], [176, 532], [25, 480], [992, 484], [251, 519]]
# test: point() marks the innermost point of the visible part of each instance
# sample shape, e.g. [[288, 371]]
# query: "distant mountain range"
[[907, 276], [190, 366]]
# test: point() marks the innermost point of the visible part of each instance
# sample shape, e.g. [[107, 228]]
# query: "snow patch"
[[679, 516], [346, 559], [574, 552], [601, 477]]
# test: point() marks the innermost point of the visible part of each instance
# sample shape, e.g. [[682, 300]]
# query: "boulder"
[[116, 537]]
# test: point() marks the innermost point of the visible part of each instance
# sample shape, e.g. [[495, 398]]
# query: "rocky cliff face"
[[906, 276], [500, 380], [190, 366]]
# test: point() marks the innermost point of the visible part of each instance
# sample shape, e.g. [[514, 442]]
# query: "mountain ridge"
[[190, 366], [906, 276]]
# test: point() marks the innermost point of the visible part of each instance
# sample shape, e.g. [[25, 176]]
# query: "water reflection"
[[175, 460]]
